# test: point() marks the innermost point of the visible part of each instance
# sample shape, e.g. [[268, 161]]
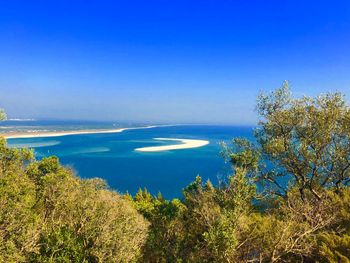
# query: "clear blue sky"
[[167, 61]]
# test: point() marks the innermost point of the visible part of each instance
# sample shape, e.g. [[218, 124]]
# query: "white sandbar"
[[186, 144], [38, 134]]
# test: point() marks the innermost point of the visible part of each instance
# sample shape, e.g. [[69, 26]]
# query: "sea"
[[112, 156]]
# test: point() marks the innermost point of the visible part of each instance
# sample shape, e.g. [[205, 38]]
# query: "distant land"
[[40, 133], [185, 143]]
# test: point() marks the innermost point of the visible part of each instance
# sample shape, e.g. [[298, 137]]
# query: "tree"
[[19, 226], [47, 214], [300, 160], [166, 229], [2, 115], [305, 142]]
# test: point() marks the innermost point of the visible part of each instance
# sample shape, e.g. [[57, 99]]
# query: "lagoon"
[[112, 156]]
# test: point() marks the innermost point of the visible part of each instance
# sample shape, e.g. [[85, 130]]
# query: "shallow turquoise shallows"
[[113, 158]]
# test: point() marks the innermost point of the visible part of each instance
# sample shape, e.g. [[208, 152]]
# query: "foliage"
[[2, 115], [50, 215], [203, 227], [306, 140], [165, 230], [334, 248]]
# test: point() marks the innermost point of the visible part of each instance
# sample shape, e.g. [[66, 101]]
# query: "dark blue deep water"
[[112, 156]]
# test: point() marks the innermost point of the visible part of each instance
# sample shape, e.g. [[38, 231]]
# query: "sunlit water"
[[113, 158]]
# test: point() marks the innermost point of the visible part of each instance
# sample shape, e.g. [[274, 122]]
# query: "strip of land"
[[185, 144], [38, 134]]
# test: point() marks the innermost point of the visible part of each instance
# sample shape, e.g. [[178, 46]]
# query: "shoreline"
[[185, 144], [43, 134]]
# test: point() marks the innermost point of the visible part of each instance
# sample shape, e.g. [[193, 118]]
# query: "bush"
[[50, 215]]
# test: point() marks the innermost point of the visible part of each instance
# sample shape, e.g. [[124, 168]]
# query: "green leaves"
[[2, 115], [306, 139], [247, 159], [50, 215]]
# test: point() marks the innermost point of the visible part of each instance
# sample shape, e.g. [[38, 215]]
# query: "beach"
[[185, 144], [41, 134]]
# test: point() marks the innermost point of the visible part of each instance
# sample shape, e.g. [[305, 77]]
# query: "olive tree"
[[2, 115], [305, 141]]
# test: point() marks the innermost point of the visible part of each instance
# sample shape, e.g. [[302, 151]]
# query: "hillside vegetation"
[[287, 200]]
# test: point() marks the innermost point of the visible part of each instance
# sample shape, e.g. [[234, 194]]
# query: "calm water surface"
[[112, 156]]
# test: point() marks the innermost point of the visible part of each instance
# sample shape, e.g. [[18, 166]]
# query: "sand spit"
[[39, 134], [185, 144]]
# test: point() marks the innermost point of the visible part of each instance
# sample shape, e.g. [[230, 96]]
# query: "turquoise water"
[[112, 156]]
